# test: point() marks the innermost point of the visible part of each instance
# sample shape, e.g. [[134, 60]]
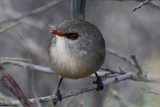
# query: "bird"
[[76, 50]]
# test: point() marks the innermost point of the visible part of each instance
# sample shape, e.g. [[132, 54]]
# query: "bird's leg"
[[98, 82], [58, 93]]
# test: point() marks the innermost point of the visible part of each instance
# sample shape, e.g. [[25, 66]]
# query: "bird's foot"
[[99, 84], [58, 97]]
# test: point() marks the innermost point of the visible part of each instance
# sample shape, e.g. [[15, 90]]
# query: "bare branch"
[[127, 76], [137, 64], [27, 65], [31, 13], [16, 90], [48, 70], [112, 71], [120, 56], [5, 84], [141, 4]]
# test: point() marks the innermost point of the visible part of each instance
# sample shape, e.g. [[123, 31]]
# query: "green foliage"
[[8, 99], [69, 101], [120, 96], [37, 101], [158, 1]]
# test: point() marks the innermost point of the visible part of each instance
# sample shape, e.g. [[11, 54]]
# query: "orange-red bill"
[[57, 32]]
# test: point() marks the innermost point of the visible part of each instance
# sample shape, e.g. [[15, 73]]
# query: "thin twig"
[[48, 70], [5, 84], [112, 71], [18, 91], [15, 59], [33, 12], [141, 4], [27, 65], [9, 27], [120, 56], [125, 60], [137, 64]]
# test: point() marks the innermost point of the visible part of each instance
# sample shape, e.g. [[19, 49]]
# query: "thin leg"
[[60, 81], [98, 82], [58, 93]]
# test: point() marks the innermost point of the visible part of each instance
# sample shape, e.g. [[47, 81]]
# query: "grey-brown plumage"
[[80, 57]]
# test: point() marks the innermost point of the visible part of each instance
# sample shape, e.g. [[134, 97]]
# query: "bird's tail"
[[78, 9]]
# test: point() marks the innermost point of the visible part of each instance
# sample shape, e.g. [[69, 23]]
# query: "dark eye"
[[73, 36]]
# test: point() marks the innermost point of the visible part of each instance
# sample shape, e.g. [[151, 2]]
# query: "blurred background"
[[125, 32]]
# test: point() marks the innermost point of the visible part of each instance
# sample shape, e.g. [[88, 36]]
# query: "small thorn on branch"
[[121, 70], [137, 64], [112, 71], [141, 4]]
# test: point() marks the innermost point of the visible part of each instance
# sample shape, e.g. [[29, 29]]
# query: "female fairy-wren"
[[76, 50]]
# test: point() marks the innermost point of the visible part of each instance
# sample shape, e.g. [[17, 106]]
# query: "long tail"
[[78, 9]]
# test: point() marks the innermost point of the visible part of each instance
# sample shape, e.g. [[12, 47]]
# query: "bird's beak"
[[57, 32]]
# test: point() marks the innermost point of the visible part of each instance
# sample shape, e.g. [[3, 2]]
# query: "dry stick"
[[5, 84], [124, 58], [27, 65], [9, 27], [33, 12], [15, 59], [128, 75], [19, 93], [141, 4], [137, 64], [48, 70], [120, 56], [112, 71]]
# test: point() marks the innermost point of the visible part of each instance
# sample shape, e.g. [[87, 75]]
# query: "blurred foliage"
[[119, 96], [69, 101], [158, 1], [3, 97], [37, 101]]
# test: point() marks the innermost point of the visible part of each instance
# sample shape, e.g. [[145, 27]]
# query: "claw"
[[58, 93], [58, 97], [99, 83]]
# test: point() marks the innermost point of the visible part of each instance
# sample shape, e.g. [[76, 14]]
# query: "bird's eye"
[[73, 36]]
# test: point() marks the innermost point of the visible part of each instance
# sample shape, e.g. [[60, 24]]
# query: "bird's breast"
[[66, 64]]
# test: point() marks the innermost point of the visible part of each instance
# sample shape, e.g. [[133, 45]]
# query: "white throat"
[[61, 50]]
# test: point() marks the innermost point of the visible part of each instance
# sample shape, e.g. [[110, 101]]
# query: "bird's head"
[[79, 35]]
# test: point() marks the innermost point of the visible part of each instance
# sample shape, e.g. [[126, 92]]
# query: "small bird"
[[76, 50]]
